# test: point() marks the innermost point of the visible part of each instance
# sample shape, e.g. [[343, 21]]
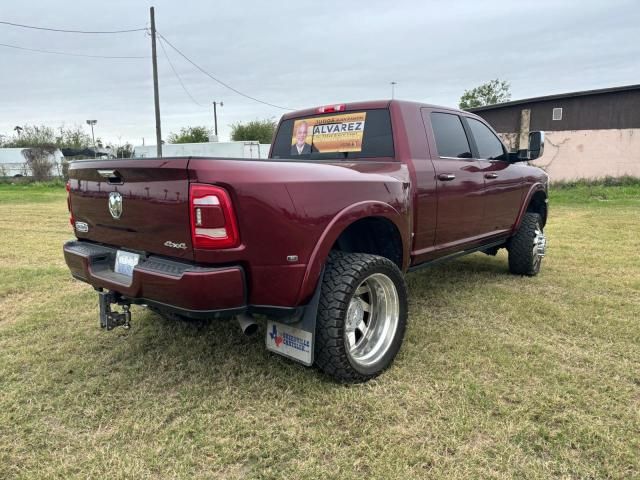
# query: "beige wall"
[[573, 154]]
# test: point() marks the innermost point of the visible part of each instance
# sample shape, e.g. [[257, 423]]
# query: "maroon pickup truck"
[[316, 239]]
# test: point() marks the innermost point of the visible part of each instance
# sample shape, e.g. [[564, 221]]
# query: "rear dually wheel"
[[362, 316]]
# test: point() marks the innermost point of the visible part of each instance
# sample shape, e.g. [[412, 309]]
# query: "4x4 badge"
[[115, 204], [170, 244]]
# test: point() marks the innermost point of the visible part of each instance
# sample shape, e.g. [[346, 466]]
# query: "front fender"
[[337, 225], [536, 187]]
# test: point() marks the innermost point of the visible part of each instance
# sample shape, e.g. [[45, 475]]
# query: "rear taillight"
[[213, 221], [71, 219]]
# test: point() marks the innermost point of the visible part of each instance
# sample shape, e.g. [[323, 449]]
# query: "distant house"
[[589, 134], [13, 163]]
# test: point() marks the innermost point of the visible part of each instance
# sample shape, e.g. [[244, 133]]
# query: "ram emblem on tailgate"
[[115, 204]]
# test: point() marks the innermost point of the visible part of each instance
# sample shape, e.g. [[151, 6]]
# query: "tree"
[[190, 135], [490, 93], [42, 136], [256, 130], [124, 151], [38, 159], [74, 137]]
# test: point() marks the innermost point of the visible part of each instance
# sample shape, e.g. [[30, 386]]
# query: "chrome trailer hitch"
[[110, 319]]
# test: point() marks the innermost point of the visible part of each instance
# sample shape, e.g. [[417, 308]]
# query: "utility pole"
[[156, 94], [92, 123], [215, 117], [393, 89]]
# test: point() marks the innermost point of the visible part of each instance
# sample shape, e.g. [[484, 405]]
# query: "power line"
[[60, 30], [178, 77], [53, 52], [218, 80]]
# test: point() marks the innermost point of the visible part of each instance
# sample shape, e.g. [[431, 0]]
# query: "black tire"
[[344, 273], [522, 259]]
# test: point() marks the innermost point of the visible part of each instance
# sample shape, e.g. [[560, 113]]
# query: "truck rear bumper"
[[181, 287]]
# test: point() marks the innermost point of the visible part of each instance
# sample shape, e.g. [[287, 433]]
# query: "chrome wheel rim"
[[372, 320], [539, 247]]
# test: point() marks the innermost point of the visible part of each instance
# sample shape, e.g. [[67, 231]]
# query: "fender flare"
[[536, 187], [334, 229]]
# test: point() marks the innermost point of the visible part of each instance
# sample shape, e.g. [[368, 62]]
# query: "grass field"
[[499, 376]]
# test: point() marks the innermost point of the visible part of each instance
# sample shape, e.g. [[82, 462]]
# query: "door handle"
[[446, 177], [490, 175]]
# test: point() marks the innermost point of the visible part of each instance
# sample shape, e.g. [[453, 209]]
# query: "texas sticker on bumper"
[[290, 342]]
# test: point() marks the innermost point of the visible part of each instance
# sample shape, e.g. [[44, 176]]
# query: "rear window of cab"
[[339, 135]]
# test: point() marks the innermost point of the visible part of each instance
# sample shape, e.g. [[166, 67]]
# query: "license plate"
[[125, 261]]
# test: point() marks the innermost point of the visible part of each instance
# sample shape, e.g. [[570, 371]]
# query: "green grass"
[[36, 192], [499, 376], [623, 181], [622, 191]]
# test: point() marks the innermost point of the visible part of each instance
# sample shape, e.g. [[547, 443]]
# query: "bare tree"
[[38, 160]]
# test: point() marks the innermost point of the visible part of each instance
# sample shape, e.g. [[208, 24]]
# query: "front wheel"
[[362, 316], [527, 247]]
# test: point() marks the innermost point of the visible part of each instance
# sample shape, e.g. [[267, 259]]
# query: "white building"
[[13, 163], [209, 149]]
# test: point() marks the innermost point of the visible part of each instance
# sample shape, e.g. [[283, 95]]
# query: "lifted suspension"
[[110, 319]]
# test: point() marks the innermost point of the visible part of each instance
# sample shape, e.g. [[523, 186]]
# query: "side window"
[[489, 147], [451, 140]]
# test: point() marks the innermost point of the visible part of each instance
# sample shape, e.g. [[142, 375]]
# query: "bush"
[[256, 130], [190, 135]]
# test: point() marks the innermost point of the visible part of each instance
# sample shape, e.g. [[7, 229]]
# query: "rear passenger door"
[[459, 180], [503, 183]]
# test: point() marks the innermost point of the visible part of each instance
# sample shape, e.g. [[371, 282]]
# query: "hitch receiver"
[[109, 319]]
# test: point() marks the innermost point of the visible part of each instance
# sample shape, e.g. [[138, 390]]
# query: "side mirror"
[[536, 145]]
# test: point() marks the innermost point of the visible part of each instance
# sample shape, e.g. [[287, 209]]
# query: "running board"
[[446, 258]]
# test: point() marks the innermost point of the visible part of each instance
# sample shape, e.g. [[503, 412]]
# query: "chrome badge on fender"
[[82, 227]]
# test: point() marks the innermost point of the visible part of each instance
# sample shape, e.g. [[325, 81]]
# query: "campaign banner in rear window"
[[336, 133]]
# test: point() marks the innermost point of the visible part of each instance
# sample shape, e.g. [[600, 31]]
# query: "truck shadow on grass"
[[217, 351]]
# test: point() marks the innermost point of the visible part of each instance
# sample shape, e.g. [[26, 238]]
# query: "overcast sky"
[[300, 54]]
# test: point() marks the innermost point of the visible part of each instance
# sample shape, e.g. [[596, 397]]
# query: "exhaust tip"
[[251, 329], [247, 324]]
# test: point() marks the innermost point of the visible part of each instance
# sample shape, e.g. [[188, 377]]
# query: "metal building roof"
[[558, 96]]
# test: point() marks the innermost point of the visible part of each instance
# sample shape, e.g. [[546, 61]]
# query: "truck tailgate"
[[153, 198]]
